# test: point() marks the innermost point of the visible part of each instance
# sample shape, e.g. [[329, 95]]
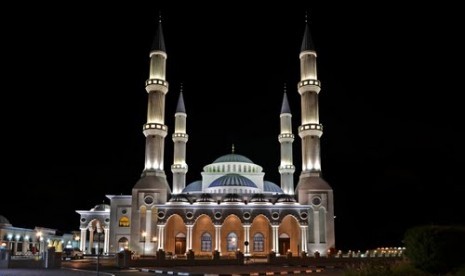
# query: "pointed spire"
[[307, 42], [159, 41], [180, 107], [232, 149], [285, 107]]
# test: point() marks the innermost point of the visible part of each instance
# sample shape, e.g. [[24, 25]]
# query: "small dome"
[[101, 207], [4, 221], [179, 198], [258, 198], [195, 186], [232, 179], [285, 199], [205, 198], [270, 187], [232, 198], [232, 157]]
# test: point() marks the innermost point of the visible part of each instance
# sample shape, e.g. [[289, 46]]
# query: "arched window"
[[123, 243], [124, 222], [206, 242], [258, 242], [231, 242]]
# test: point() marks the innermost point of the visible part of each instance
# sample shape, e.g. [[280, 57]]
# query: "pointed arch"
[[289, 227], [203, 224], [261, 224], [174, 227]]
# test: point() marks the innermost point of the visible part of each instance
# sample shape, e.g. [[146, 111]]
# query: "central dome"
[[232, 157], [232, 180]]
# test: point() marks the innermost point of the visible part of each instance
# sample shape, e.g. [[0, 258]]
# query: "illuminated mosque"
[[232, 207]]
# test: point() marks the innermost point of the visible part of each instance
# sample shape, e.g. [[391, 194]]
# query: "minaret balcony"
[[309, 85], [286, 137], [156, 85], [286, 169], [180, 137], [311, 130], [179, 168], [155, 129]]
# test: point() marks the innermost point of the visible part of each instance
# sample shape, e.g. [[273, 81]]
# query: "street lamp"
[[144, 234]]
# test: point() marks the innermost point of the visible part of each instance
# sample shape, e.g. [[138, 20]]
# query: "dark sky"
[[74, 104]]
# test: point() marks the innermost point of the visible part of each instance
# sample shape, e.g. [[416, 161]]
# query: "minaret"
[[180, 137], [152, 188], [312, 189], [286, 138]]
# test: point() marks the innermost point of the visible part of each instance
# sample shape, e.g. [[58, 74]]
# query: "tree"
[[436, 249]]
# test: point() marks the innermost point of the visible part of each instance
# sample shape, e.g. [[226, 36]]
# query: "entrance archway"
[[284, 243], [123, 243], [289, 226]]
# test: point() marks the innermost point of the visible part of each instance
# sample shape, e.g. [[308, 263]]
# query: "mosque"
[[232, 207]]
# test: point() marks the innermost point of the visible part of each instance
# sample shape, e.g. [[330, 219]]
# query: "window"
[[258, 242], [206, 242], [124, 222], [231, 242]]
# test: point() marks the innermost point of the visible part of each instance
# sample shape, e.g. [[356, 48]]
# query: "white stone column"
[[161, 237], [91, 240], [189, 237], [218, 238], [303, 237], [83, 239], [247, 238], [275, 239], [106, 244]]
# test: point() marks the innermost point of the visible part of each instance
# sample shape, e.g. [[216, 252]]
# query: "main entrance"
[[284, 243], [180, 244]]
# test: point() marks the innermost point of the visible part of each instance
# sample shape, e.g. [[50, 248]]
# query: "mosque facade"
[[232, 207]]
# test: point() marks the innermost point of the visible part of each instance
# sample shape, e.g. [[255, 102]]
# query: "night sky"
[[74, 104]]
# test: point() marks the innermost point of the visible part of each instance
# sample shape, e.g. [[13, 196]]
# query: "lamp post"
[[99, 233], [154, 241], [39, 241], [144, 235]]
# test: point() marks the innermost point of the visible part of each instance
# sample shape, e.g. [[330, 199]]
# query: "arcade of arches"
[[204, 236]]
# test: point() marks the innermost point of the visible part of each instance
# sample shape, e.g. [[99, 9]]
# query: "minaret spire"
[[307, 41], [159, 40], [180, 107], [286, 138], [285, 106], [180, 137]]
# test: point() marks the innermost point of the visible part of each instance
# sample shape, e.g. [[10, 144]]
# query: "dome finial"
[[306, 17], [285, 88], [180, 89], [232, 148], [159, 17]]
